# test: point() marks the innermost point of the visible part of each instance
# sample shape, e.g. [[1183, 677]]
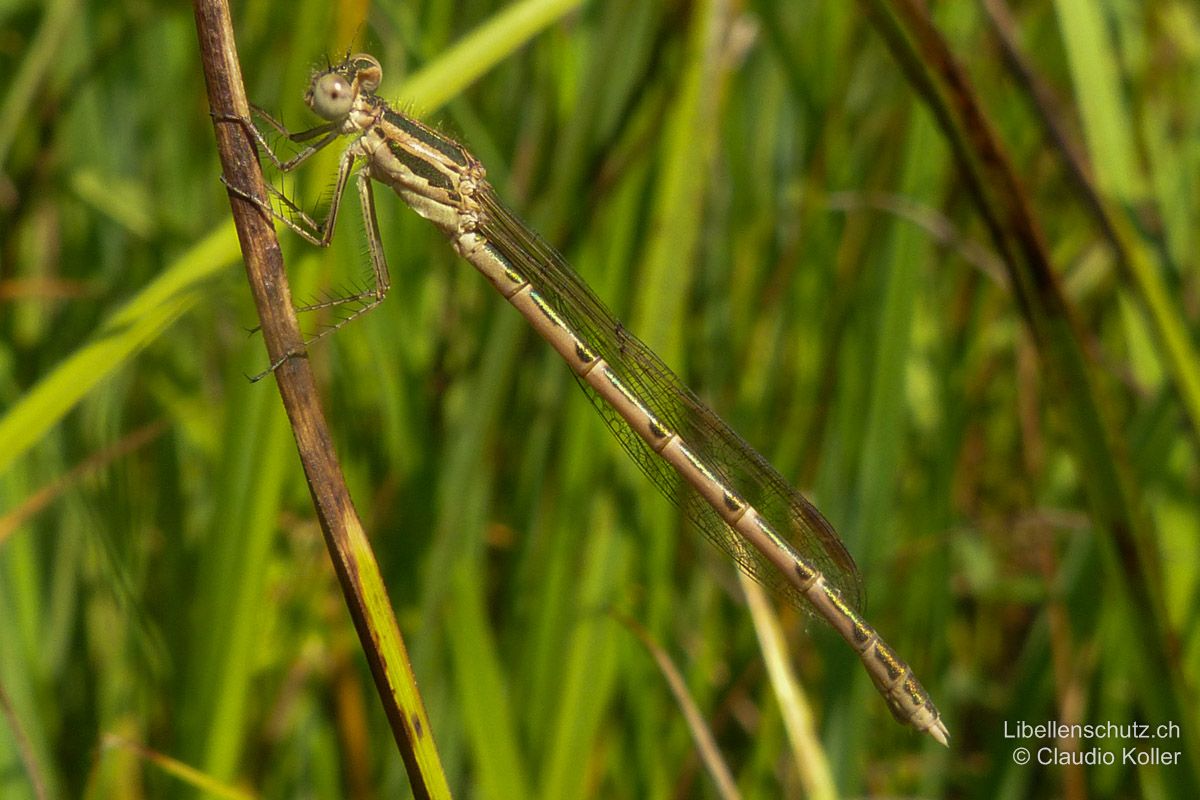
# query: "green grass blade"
[[689, 143], [1082, 393], [484, 690], [131, 328], [480, 50], [1108, 128]]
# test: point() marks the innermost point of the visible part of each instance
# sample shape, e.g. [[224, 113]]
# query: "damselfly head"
[[333, 90]]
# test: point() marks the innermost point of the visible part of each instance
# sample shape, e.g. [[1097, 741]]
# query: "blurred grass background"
[[758, 192]]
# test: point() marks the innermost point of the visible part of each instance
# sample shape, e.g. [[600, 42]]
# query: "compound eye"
[[332, 96]]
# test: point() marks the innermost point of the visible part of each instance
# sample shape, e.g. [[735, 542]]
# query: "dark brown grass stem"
[[353, 560]]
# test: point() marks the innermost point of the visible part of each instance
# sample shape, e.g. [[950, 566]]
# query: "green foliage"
[[819, 274]]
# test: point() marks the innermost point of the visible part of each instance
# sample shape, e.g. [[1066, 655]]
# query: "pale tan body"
[[445, 184]]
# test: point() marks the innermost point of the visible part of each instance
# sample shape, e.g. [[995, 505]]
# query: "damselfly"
[[724, 487]]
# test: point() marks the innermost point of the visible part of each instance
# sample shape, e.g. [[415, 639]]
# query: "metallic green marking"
[[702, 468], [862, 632], [894, 667], [510, 273], [419, 166], [656, 427], [804, 571], [449, 149], [548, 312]]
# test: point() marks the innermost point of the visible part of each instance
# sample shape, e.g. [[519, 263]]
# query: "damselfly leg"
[[320, 233]]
